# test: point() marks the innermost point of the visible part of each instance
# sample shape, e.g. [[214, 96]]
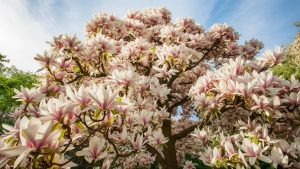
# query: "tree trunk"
[[169, 150], [170, 155]]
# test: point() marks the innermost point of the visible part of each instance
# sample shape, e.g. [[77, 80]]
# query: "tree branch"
[[188, 130], [201, 124], [192, 65], [182, 101]]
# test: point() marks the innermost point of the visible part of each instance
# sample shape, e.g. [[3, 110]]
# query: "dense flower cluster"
[[112, 99]]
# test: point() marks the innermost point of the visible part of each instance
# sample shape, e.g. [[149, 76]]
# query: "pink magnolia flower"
[[80, 97], [126, 105], [70, 44], [189, 25], [160, 92], [172, 34], [103, 97], [144, 117], [285, 146], [95, 151], [47, 59], [291, 85], [12, 131], [229, 148], [236, 66], [207, 102], [261, 102], [293, 99], [207, 156], [137, 141], [228, 87], [201, 134], [250, 125], [59, 109], [278, 158], [100, 44], [163, 72], [189, 165], [121, 136], [273, 57], [264, 80], [223, 31], [202, 85], [106, 164], [253, 151], [217, 155], [33, 135], [245, 89], [126, 77], [28, 95], [157, 138]]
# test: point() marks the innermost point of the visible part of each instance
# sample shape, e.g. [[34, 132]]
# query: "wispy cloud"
[[21, 35]]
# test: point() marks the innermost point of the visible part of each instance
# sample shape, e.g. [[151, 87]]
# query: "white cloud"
[[21, 35], [27, 25]]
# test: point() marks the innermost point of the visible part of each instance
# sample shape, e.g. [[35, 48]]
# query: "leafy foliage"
[[287, 69], [11, 78]]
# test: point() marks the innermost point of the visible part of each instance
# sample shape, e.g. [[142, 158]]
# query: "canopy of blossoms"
[[110, 100]]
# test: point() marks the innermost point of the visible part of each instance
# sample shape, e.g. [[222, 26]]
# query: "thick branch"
[[182, 101], [188, 130], [201, 124], [192, 65]]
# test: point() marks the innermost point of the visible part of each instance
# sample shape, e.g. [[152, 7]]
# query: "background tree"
[[292, 64], [110, 100], [11, 78]]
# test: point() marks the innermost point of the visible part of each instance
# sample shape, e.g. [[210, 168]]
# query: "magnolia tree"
[[110, 101]]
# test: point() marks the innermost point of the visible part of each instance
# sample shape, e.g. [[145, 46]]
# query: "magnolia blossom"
[[81, 97], [157, 138], [207, 156], [125, 78], [34, 135], [47, 59], [27, 95], [144, 117], [293, 99], [163, 72], [217, 155], [58, 109], [273, 57], [160, 92], [278, 157], [188, 165], [103, 97], [137, 141], [252, 151], [201, 135], [229, 148], [122, 136], [95, 151]]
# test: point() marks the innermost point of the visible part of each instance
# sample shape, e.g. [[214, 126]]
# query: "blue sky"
[[27, 24]]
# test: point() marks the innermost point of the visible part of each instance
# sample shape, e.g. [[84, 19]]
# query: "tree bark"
[[169, 150], [170, 155]]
